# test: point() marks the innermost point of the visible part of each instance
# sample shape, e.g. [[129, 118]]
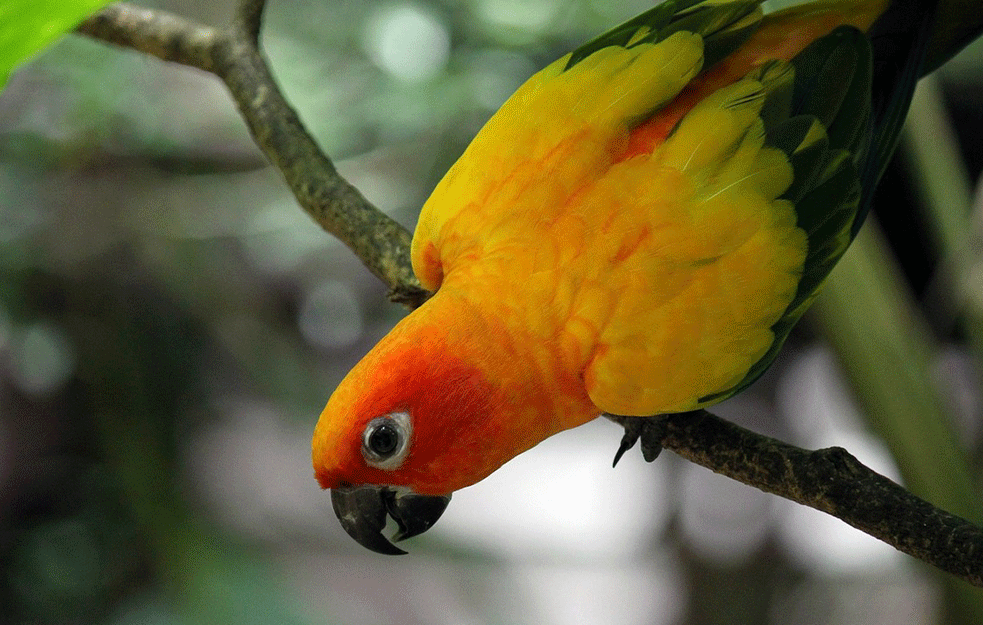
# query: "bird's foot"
[[649, 430]]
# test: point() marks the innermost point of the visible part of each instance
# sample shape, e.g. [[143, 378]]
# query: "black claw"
[[363, 511], [650, 430], [627, 442], [651, 448]]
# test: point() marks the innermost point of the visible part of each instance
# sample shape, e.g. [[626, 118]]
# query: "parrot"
[[634, 232]]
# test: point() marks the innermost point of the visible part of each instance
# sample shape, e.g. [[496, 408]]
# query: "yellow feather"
[[657, 277], [582, 118], [714, 126]]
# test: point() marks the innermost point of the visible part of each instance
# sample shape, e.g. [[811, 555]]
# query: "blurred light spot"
[[725, 521], [330, 315], [635, 593], [20, 211], [42, 359], [531, 16], [407, 41], [563, 499], [380, 183], [826, 545]]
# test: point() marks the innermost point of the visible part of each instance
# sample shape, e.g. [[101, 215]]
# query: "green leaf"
[[28, 26]]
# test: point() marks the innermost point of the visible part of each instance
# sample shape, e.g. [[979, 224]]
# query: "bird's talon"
[[649, 429], [627, 442]]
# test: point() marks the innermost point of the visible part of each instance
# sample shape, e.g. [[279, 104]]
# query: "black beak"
[[362, 511]]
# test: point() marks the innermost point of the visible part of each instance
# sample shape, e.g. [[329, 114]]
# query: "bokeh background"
[[171, 324]]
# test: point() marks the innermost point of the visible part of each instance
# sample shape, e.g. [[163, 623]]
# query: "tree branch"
[[250, 19], [234, 56], [830, 480], [157, 33]]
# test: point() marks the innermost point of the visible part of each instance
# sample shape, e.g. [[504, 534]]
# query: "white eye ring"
[[386, 441]]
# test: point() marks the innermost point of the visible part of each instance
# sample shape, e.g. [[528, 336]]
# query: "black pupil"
[[384, 439]]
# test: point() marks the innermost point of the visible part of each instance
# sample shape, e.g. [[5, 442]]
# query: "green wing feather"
[[833, 134], [851, 92], [723, 24]]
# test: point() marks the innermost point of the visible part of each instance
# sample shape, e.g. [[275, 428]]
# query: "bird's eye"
[[386, 441]]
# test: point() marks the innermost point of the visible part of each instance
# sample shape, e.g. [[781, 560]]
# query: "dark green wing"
[[904, 29], [838, 126], [723, 25]]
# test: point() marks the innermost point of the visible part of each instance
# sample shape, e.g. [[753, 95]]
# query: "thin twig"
[[157, 33]]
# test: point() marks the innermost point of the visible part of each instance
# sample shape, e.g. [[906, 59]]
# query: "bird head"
[[415, 420]]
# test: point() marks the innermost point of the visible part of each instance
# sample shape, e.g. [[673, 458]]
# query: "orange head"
[[441, 402], [429, 408], [416, 419], [409, 414]]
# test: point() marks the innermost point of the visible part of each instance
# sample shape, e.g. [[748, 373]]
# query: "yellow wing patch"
[[559, 132], [658, 277], [718, 266]]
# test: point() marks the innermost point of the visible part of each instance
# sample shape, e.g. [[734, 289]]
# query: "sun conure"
[[634, 232]]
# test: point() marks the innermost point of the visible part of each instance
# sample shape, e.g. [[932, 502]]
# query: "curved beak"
[[362, 511]]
